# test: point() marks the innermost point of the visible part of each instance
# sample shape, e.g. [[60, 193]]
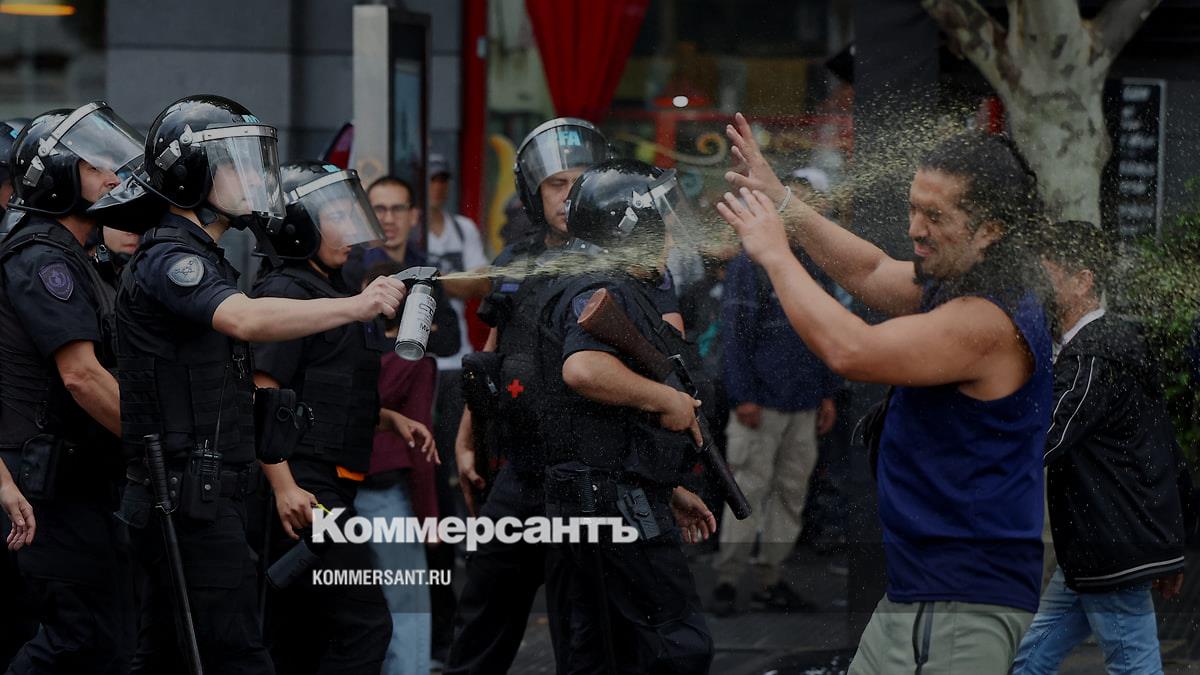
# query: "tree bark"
[[1049, 67]]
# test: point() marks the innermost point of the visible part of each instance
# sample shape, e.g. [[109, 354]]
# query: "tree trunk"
[[1063, 136]]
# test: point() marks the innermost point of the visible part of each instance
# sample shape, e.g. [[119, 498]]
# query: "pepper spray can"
[[416, 322]]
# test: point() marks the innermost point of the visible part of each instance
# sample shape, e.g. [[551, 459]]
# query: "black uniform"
[[76, 572], [503, 579], [327, 629], [179, 377], [641, 594]]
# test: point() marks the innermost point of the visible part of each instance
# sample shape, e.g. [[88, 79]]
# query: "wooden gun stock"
[[604, 320]]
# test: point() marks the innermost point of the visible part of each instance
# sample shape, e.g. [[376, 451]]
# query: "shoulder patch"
[[186, 272], [666, 282], [580, 302], [57, 279]]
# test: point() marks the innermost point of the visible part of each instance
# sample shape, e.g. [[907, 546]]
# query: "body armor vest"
[[178, 378], [341, 385], [33, 399], [521, 341], [573, 428]]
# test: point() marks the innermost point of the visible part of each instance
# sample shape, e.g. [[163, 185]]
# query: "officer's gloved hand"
[[382, 296]]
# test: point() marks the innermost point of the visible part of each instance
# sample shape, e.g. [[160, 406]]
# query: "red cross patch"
[[515, 388]]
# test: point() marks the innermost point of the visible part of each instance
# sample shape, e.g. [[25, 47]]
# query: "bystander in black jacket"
[[1111, 465]]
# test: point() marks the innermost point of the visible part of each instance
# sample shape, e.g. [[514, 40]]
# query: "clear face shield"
[[95, 134], [244, 167], [559, 148], [338, 205]]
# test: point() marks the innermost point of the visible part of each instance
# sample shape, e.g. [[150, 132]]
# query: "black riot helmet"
[[625, 205], [209, 153], [9, 130], [322, 202], [45, 156], [556, 145]]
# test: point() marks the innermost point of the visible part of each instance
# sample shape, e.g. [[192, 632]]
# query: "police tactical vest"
[[193, 376], [522, 342], [574, 428], [342, 391], [33, 399]]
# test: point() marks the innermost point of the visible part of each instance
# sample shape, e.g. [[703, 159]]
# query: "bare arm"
[[601, 377], [18, 510], [968, 341], [93, 388], [859, 266], [279, 319]]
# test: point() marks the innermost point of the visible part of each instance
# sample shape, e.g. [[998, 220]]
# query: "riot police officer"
[[9, 130], [503, 579], [617, 443], [60, 423], [336, 373], [186, 372]]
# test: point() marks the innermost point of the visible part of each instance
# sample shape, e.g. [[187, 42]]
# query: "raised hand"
[[757, 223], [750, 169]]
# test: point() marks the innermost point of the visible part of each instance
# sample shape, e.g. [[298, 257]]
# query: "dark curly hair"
[[1000, 187]]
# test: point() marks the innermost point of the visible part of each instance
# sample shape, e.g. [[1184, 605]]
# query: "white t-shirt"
[[457, 249]]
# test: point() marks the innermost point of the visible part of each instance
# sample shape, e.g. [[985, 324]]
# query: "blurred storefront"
[[673, 73]]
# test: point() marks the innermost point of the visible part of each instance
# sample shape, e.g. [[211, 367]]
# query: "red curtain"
[[584, 46]]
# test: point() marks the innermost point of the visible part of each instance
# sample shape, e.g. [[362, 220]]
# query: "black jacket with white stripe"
[[1110, 462]]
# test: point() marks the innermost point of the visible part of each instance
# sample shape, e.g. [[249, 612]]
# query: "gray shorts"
[[940, 638]]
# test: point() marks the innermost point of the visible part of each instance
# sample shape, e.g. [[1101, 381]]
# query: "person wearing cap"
[[186, 374], [782, 399], [60, 422], [452, 244]]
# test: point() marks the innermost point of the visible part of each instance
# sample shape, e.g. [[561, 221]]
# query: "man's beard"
[[921, 276]]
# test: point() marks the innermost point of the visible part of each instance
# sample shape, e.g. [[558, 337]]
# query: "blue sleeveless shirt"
[[960, 482]]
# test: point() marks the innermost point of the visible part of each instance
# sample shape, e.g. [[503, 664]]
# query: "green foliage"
[[1162, 289]]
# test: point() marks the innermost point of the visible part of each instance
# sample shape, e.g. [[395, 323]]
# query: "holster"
[[575, 489], [481, 383], [38, 475], [280, 422]]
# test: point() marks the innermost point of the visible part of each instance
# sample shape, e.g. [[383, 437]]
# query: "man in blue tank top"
[[968, 354]]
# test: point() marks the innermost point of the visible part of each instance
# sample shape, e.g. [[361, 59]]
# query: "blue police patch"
[[667, 281], [580, 302], [58, 280], [186, 272]]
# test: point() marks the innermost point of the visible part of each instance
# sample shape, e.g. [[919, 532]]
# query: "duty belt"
[[234, 483], [603, 485]]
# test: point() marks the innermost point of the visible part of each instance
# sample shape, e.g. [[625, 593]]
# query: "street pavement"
[[808, 643]]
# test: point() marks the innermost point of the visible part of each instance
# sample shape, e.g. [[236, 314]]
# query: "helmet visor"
[[339, 207], [244, 167], [560, 148], [95, 134], [677, 214]]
